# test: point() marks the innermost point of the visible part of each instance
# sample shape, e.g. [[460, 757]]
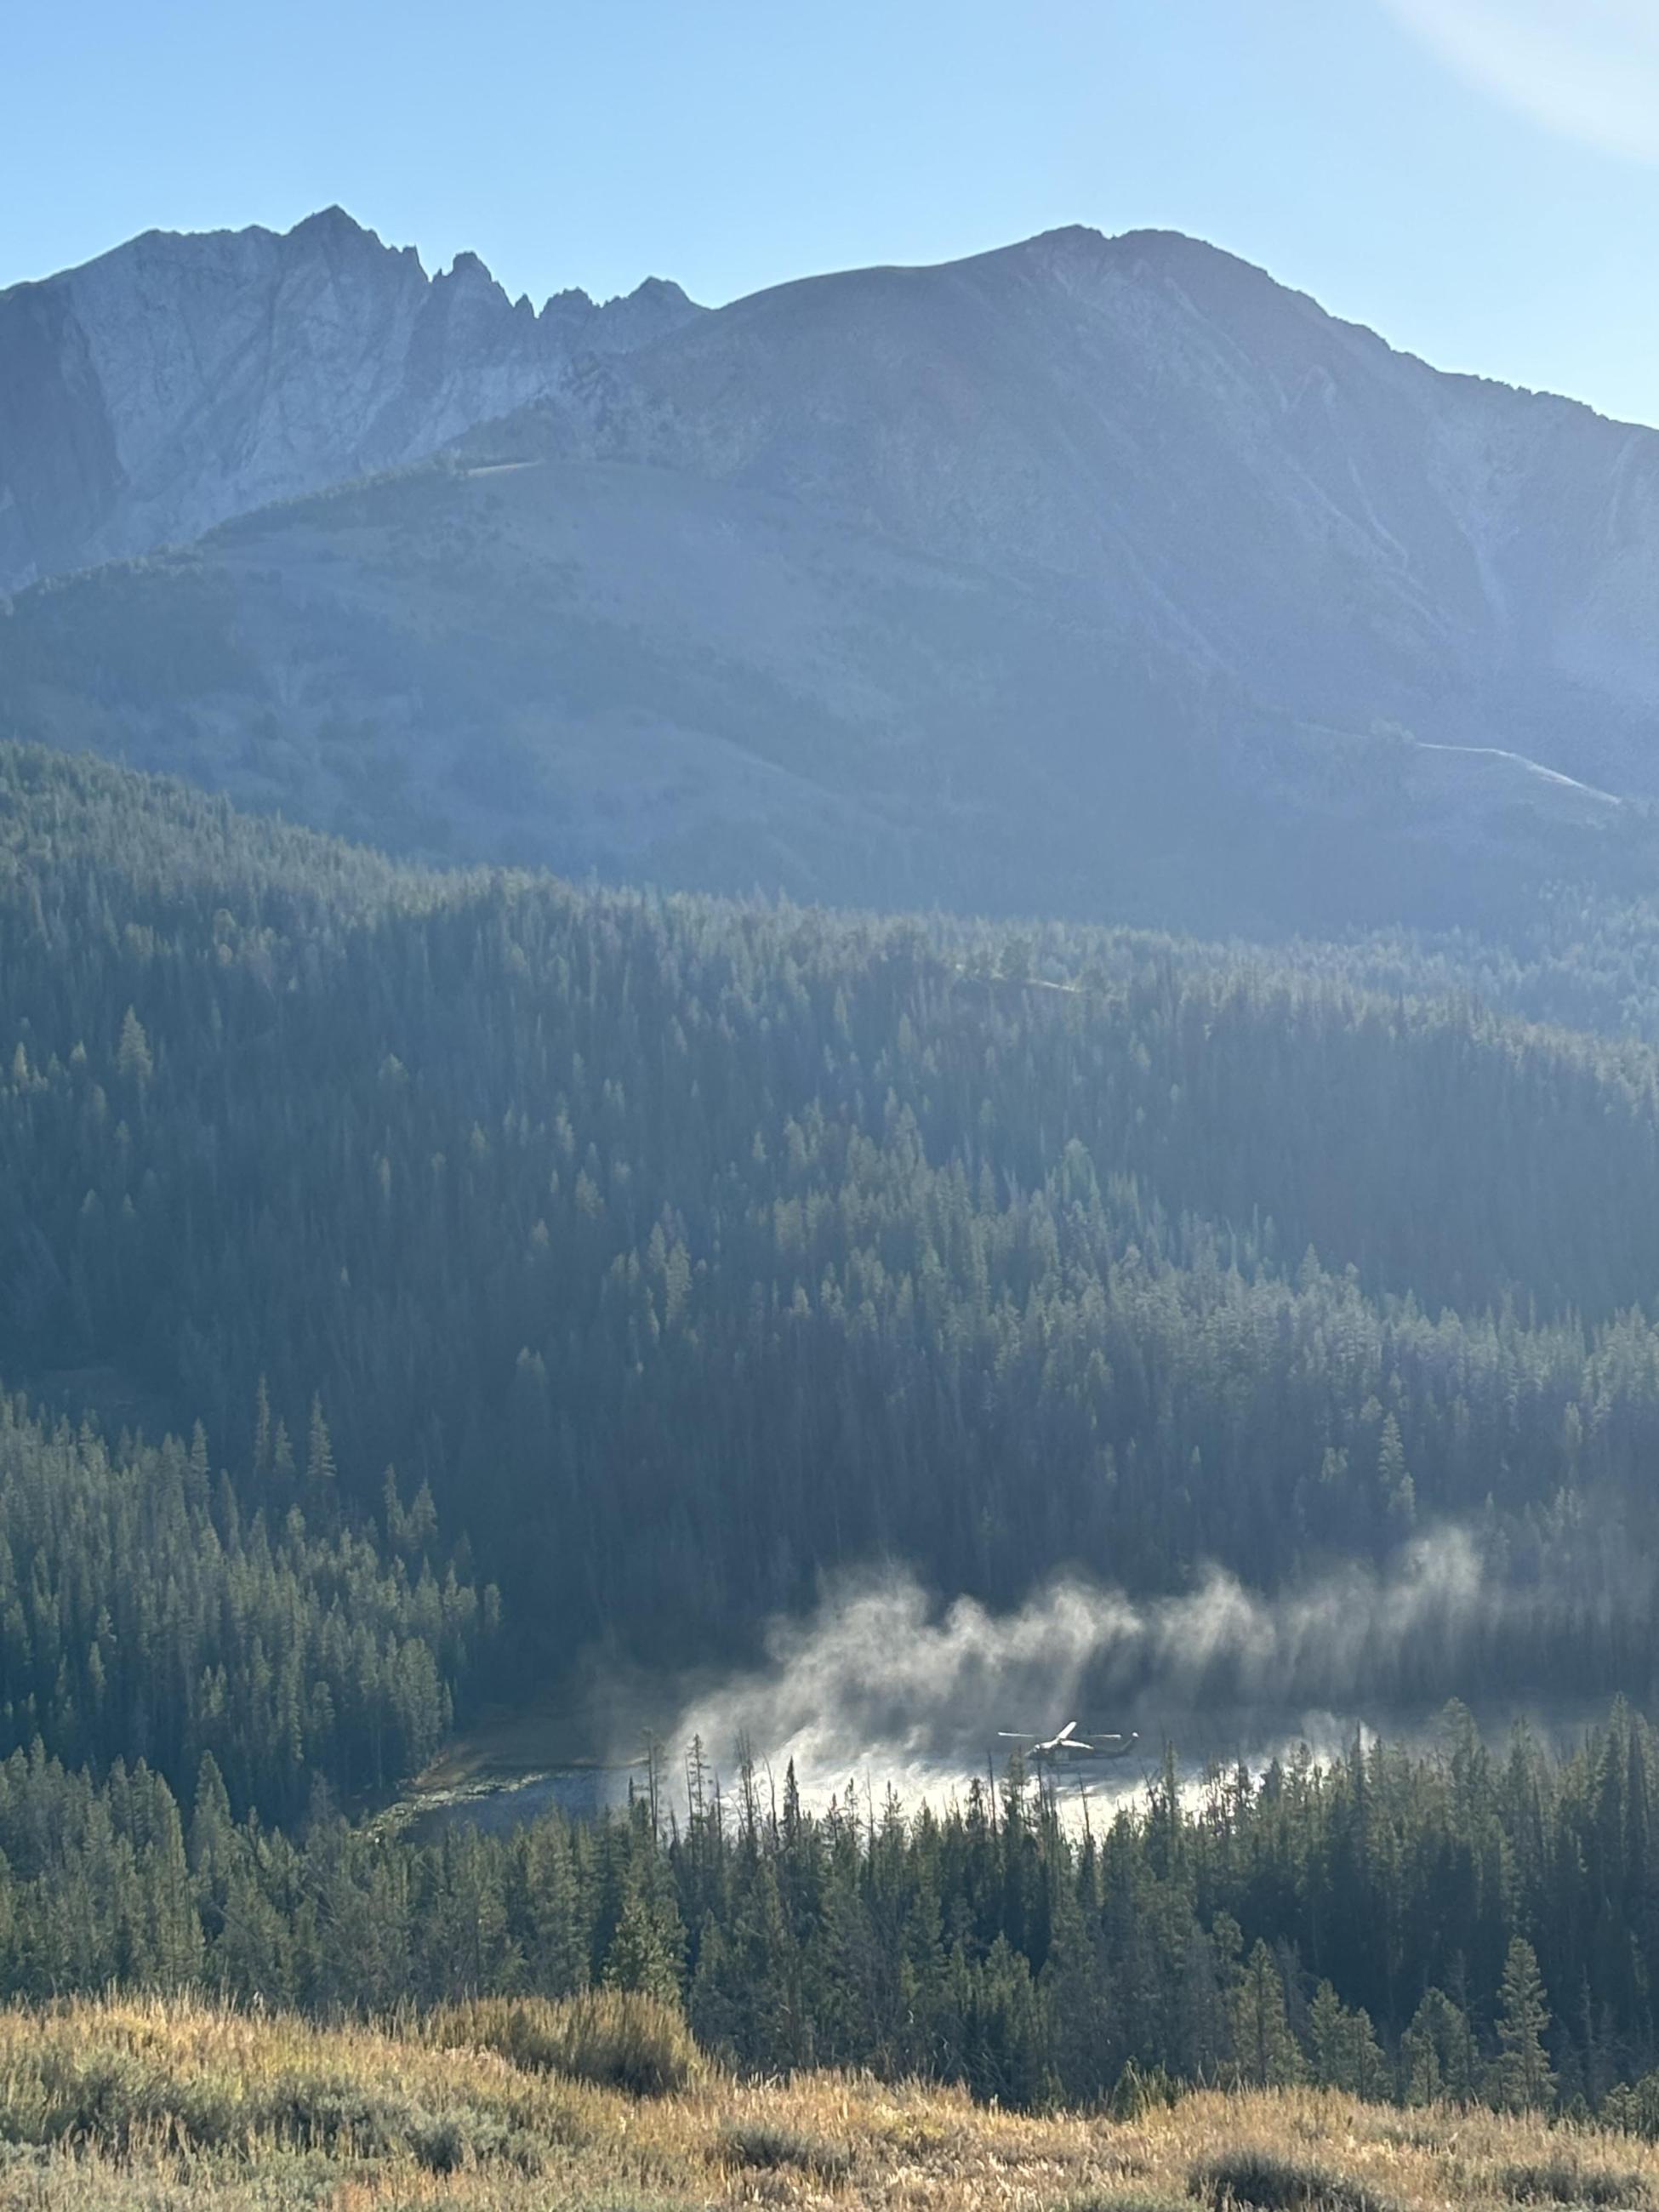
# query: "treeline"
[[147, 1612], [685, 1251], [1414, 1925]]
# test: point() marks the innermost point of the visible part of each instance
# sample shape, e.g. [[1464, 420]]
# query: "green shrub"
[[1154, 2201], [100, 2099], [448, 2140], [616, 2039], [107, 2100], [1268, 2182], [1565, 2179], [759, 2145]]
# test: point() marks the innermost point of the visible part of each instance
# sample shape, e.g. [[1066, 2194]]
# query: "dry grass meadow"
[[169, 2107]]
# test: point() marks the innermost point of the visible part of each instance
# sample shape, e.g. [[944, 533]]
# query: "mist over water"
[[882, 1688]]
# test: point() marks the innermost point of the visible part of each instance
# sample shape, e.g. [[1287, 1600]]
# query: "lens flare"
[[1587, 67]]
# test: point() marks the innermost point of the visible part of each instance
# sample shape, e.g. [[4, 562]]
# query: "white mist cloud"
[[1587, 68], [878, 1683]]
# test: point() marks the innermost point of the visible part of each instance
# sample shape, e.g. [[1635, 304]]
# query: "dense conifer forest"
[[408, 1280], [679, 1252], [1454, 1923], [146, 1614]]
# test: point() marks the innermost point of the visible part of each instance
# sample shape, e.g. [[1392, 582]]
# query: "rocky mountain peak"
[[469, 269], [330, 222], [183, 379]]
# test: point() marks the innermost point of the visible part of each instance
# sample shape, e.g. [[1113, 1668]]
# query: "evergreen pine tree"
[[1522, 2079], [321, 1474], [1267, 2054], [638, 1957]]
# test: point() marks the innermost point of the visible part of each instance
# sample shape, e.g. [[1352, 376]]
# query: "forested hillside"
[[409, 1280], [684, 1251]]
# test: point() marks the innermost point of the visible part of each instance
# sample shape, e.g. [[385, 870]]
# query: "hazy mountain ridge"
[[1097, 575], [181, 379], [1349, 531]]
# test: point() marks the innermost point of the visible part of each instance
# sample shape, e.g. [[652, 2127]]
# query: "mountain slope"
[[1268, 491], [624, 670], [180, 379], [1097, 576]]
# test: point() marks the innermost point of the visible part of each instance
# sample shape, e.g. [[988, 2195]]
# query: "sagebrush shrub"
[[616, 2039]]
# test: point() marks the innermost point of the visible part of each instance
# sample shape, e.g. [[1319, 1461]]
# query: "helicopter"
[[1053, 1750]]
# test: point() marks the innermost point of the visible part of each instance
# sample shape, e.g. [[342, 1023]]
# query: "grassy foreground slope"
[[136, 2103]]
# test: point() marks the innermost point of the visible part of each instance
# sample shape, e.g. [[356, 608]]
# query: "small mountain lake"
[[496, 1807]]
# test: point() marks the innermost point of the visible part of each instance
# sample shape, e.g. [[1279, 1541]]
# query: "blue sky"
[[1479, 179]]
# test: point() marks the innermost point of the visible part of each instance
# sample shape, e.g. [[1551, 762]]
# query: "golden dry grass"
[[153, 2107]]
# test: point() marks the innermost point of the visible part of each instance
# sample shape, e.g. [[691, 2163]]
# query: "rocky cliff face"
[[180, 381]]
